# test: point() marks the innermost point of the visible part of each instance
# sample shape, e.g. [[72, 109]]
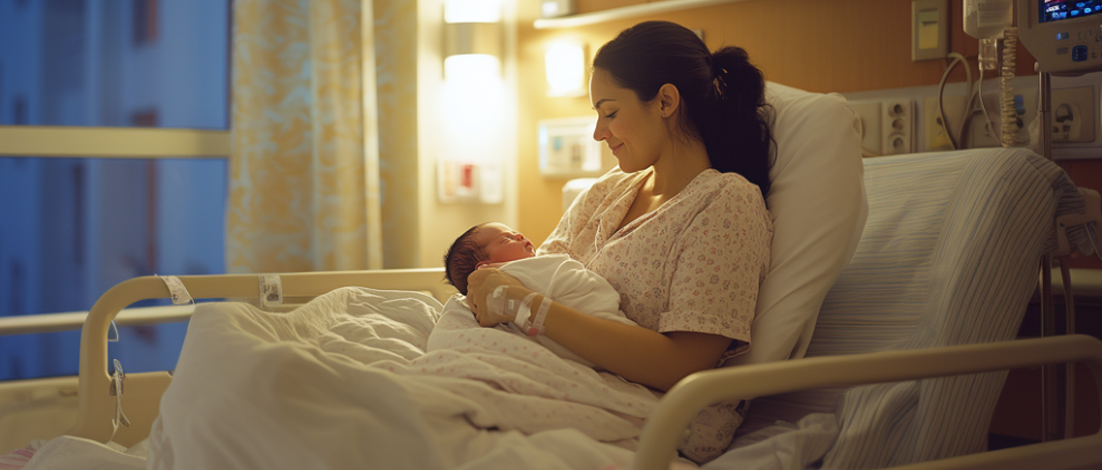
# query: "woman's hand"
[[481, 283]]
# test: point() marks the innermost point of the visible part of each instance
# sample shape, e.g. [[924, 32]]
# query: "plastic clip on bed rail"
[[176, 290], [118, 378], [1092, 214], [271, 290]]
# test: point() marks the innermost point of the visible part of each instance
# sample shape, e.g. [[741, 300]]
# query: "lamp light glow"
[[565, 65], [472, 11]]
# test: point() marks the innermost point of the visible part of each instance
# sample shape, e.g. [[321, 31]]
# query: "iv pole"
[[1049, 379]]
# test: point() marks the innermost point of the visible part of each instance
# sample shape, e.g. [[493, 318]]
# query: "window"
[[114, 124]]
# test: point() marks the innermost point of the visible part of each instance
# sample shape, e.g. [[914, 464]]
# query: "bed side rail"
[[676, 410], [142, 392]]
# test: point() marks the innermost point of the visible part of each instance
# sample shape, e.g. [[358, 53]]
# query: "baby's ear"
[[481, 264]]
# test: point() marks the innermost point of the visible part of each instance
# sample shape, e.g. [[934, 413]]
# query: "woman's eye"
[[611, 115]]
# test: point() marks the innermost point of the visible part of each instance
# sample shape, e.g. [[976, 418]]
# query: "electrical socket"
[[897, 124], [980, 136], [1073, 115], [887, 125], [937, 138]]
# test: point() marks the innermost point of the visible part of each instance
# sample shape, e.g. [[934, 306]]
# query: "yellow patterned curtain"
[[304, 184]]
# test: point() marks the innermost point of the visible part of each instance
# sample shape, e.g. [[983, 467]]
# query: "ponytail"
[[723, 94], [737, 131]]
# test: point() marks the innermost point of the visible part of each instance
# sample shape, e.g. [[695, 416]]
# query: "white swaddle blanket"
[[564, 280]]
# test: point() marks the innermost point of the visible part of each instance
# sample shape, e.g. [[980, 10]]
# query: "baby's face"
[[502, 243]]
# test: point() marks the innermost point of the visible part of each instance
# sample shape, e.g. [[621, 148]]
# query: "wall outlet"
[[937, 139], [897, 124], [1073, 115], [887, 125], [983, 136]]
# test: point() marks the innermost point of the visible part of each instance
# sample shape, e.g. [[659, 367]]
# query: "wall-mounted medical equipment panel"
[[567, 148], [1065, 36], [468, 181], [929, 29]]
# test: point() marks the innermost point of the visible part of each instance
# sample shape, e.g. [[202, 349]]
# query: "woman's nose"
[[600, 133]]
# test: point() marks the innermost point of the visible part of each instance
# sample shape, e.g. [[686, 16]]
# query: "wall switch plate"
[[929, 29]]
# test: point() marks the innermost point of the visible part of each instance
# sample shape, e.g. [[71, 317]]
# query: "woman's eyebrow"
[[599, 103]]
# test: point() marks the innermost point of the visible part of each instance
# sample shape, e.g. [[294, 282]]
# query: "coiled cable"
[[1007, 110]]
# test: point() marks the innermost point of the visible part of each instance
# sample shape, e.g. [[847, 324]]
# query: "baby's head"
[[490, 242]]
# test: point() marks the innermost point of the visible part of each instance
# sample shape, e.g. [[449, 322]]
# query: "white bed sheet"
[[343, 381]]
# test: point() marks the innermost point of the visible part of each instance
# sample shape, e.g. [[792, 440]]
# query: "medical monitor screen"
[[1056, 10]]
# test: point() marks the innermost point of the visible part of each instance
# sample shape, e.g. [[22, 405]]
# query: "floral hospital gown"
[[694, 264]]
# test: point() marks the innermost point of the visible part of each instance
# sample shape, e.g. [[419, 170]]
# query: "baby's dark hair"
[[462, 259]]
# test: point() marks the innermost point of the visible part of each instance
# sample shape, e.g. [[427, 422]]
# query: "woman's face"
[[633, 129], [501, 243]]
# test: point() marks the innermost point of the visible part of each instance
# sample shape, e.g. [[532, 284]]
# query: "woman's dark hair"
[[722, 93]]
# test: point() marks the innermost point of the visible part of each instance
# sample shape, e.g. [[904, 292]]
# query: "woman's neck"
[[677, 167]]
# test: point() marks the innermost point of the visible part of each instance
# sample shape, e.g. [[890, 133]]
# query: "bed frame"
[[142, 391]]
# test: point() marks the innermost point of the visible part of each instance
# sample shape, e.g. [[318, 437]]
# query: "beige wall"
[[439, 223], [816, 45], [417, 228]]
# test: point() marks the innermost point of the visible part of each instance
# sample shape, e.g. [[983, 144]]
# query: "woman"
[[680, 229]]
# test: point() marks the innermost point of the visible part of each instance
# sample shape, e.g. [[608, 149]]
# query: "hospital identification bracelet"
[[536, 327]]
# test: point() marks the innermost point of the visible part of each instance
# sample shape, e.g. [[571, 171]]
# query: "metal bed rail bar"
[[677, 409], [143, 391]]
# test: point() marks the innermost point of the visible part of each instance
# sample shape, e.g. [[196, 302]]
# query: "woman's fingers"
[[480, 284]]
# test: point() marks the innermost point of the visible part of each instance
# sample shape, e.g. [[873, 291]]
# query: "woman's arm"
[[658, 360]]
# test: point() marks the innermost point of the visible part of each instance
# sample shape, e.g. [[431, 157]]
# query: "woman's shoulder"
[[711, 184]]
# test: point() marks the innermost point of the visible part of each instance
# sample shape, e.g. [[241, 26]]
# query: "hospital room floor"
[[1017, 418]]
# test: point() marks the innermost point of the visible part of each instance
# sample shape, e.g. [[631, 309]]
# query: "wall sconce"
[[473, 103], [556, 8], [564, 62], [472, 27]]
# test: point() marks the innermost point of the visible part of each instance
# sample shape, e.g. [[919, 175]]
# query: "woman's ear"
[[669, 98]]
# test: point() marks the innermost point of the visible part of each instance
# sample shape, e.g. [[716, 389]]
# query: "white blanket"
[[558, 277], [344, 382]]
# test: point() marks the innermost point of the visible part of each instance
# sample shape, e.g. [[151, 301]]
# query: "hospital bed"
[[898, 287]]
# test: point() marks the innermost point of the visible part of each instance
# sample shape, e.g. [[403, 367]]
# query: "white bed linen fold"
[[77, 453], [343, 382]]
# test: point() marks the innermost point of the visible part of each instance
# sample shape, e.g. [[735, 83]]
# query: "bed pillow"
[[818, 206]]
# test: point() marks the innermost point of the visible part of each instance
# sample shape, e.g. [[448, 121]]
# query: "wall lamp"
[[564, 62], [472, 35], [470, 161]]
